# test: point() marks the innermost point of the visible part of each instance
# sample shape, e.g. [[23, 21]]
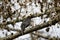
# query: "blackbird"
[[25, 24]]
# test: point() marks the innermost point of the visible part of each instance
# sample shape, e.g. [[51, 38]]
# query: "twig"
[[52, 22]]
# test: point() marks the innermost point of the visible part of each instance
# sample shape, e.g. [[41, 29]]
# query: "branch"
[[52, 22], [32, 16], [39, 35], [12, 29]]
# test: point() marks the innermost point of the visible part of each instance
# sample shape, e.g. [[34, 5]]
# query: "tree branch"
[[52, 22]]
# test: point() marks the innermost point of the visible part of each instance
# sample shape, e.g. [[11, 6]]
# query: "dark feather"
[[25, 24]]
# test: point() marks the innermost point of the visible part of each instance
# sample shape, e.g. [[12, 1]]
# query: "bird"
[[25, 24]]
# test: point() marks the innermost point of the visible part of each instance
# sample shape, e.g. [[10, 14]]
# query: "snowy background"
[[31, 9]]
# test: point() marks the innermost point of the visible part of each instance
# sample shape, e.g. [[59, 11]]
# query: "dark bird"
[[25, 24]]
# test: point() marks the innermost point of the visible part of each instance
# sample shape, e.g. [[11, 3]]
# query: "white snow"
[[54, 31], [16, 6], [17, 25], [37, 21], [23, 37], [10, 25], [13, 1], [1, 19]]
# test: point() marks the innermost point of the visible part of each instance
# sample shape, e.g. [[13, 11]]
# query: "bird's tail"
[[22, 32]]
